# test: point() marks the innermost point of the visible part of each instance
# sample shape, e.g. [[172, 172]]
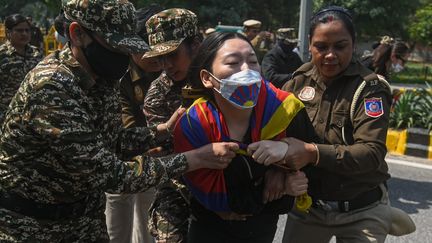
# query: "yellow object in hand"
[[303, 202]]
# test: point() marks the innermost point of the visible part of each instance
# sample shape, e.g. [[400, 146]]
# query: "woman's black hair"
[[15, 19], [400, 49], [329, 14], [382, 55], [206, 55], [59, 24]]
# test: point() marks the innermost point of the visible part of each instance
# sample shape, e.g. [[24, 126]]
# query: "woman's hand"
[[212, 156], [274, 181], [168, 127], [267, 151], [299, 153], [296, 183]]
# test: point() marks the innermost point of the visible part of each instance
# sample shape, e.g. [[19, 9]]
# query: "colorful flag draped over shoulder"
[[203, 123]]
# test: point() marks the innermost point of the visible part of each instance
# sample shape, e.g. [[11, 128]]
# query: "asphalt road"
[[410, 190]]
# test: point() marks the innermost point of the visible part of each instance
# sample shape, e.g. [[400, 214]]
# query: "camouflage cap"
[[286, 34], [167, 29], [114, 20]]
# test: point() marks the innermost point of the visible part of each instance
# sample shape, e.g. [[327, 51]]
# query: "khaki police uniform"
[[348, 186], [127, 214], [261, 43]]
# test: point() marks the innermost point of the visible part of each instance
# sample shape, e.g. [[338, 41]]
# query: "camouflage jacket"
[[162, 99], [58, 145], [13, 68]]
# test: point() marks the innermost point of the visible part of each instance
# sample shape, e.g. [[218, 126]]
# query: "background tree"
[[273, 13], [421, 27], [374, 19], [8, 7]]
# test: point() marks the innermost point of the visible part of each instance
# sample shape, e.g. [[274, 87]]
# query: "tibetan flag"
[[203, 123]]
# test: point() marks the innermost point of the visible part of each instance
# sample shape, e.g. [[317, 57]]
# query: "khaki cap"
[[252, 23], [287, 34]]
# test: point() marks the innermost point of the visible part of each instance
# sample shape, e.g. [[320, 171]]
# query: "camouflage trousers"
[[169, 213]]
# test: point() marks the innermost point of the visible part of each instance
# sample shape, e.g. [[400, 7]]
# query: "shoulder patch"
[[373, 107], [307, 93]]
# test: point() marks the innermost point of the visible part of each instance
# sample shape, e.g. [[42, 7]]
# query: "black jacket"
[[278, 65]]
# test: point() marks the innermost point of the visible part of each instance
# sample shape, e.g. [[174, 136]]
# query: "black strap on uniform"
[[30, 208]]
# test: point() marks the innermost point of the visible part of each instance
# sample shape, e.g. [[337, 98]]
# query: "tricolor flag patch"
[[373, 107]]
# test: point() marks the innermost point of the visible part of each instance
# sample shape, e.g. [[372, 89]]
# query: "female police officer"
[[349, 109]]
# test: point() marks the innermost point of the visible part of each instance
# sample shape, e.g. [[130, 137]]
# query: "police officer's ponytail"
[[329, 14], [61, 25]]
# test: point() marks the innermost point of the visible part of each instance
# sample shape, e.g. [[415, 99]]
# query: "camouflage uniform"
[[60, 140], [13, 68], [169, 213], [127, 214], [162, 100]]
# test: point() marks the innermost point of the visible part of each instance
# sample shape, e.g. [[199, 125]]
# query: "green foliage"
[[231, 13], [413, 73], [424, 119], [9, 7], [272, 13], [52, 5], [412, 109], [40, 10], [421, 28], [377, 18], [401, 115]]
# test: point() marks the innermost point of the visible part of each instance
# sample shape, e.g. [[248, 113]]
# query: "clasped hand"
[[212, 156], [291, 152], [278, 183], [267, 151]]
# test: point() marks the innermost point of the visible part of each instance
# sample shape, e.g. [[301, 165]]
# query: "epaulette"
[[302, 69]]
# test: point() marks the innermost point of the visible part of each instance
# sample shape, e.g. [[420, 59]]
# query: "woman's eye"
[[231, 62], [321, 48], [340, 47]]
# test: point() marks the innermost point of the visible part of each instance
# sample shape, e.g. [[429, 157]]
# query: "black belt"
[[361, 201], [42, 211]]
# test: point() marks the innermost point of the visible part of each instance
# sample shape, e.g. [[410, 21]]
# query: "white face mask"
[[241, 89], [396, 67]]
